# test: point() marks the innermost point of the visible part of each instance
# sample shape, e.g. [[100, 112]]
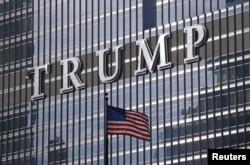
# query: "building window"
[[149, 14], [233, 2]]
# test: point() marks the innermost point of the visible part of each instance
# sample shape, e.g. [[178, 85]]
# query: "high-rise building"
[[184, 63], [16, 53]]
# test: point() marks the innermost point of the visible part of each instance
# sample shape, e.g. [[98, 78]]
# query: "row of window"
[[204, 105], [233, 2], [171, 152], [224, 122], [10, 5], [17, 27], [69, 133], [209, 101], [195, 5], [20, 145], [16, 53], [27, 25], [181, 150]]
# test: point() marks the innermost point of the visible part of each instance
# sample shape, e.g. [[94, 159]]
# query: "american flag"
[[127, 122]]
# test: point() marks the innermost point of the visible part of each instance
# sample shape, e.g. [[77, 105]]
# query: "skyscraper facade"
[[184, 63]]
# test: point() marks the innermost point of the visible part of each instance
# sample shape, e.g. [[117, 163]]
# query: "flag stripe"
[[115, 131], [131, 133], [113, 124], [128, 126], [139, 114], [128, 122], [123, 129], [136, 122], [136, 119]]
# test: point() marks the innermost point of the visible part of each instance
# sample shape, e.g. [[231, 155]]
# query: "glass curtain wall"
[[191, 107]]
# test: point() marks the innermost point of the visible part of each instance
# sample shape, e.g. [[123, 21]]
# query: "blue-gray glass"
[[191, 107]]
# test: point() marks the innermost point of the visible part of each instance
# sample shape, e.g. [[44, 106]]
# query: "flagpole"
[[105, 130]]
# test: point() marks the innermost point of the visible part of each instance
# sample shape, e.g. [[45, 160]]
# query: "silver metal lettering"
[[150, 59], [191, 44], [37, 93], [68, 75], [103, 64]]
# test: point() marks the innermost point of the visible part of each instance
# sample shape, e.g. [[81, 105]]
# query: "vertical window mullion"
[[124, 81], [32, 153], [12, 62], [56, 75], [10, 117], [37, 63], [117, 84], [199, 95], [243, 73], [92, 81], [130, 79], [61, 96], [235, 79], [206, 82], [23, 32], [137, 99], [184, 99], [164, 97], [228, 81], [72, 137], [67, 95], [109, 26], [80, 92], [49, 99], [44, 130], [177, 82], [2, 93], [213, 84], [98, 90], [170, 96], [86, 98], [106, 148], [20, 93], [221, 82], [14, 85]]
